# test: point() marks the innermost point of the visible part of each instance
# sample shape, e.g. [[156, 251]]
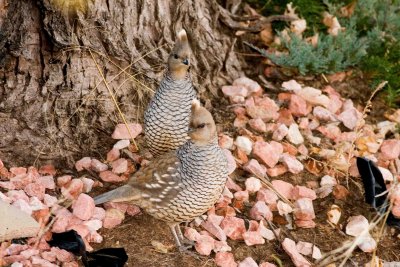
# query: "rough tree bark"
[[53, 103]]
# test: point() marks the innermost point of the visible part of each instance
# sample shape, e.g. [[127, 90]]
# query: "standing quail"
[[179, 185], [166, 119]]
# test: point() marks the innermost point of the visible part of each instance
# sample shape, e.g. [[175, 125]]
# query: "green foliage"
[[371, 40], [332, 54]]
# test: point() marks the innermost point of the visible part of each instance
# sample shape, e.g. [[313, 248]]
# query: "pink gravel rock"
[[37, 261], [70, 264], [8, 185], [121, 131], [98, 214], [62, 255], [280, 132], [283, 208], [81, 229], [116, 205], [232, 185], [225, 259], [244, 143], [94, 237], [17, 170], [304, 209], [279, 169], [260, 211], [83, 163], [98, 166], [204, 245], [292, 164], [248, 262], [304, 248], [113, 218], [231, 161], [242, 195], [291, 85], [263, 108], [266, 264], [233, 227], [221, 246], [191, 234], [113, 154], [63, 218], [14, 195], [356, 225], [252, 86], [87, 184], [303, 150], [83, 207], [119, 166], [254, 167], [47, 182], [298, 106], [225, 141], [267, 195], [47, 169], [231, 90], [265, 232], [214, 229], [215, 219], [252, 184], [323, 114], [258, 125], [302, 191], [240, 121], [252, 238], [109, 176], [350, 118], [367, 244], [121, 144], [290, 247], [390, 149], [63, 180], [314, 96], [49, 255], [132, 210], [72, 189], [29, 253], [35, 190], [283, 188], [268, 153]]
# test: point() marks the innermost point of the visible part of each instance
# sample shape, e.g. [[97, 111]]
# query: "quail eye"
[[201, 125], [175, 56]]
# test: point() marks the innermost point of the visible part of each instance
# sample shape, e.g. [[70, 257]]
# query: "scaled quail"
[[179, 185], [166, 119]]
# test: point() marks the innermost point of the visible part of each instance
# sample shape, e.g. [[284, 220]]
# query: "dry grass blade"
[[114, 99]]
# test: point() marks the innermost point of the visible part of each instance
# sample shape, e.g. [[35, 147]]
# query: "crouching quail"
[[179, 185], [166, 119]]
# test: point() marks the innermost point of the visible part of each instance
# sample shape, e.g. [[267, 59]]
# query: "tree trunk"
[[54, 104]]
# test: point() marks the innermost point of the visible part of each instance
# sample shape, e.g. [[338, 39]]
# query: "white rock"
[[314, 96], [328, 180], [387, 175], [294, 135], [244, 144], [291, 85], [253, 184], [121, 144], [356, 225]]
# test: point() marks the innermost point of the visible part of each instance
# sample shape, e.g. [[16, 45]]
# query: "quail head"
[[179, 185], [167, 116]]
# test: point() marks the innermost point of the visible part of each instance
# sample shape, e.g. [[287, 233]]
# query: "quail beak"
[[185, 61], [191, 130]]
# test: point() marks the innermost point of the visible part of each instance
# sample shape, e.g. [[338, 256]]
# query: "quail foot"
[[166, 119], [179, 185]]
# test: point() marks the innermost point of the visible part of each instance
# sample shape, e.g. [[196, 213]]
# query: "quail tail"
[[121, 194]]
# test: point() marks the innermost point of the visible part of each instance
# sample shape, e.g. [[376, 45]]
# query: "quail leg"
[[183, 239], [174, 234]]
